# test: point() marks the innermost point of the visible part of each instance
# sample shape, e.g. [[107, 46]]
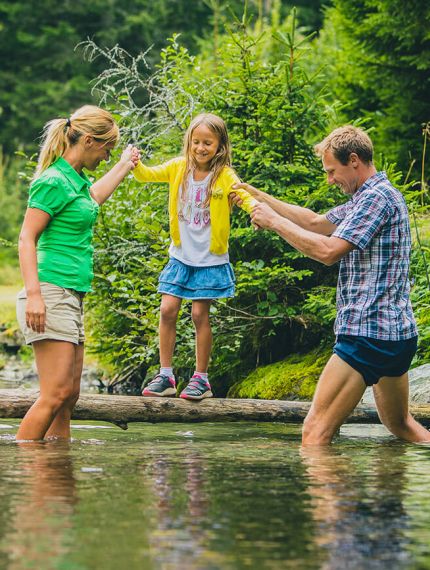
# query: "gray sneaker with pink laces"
[[198, 388]]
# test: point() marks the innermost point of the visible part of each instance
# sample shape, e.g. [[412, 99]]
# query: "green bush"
[[285, 303], [273, 119]]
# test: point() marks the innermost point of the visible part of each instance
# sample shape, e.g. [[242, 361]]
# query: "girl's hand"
[[35, 313], [130, 157], [234, 199]]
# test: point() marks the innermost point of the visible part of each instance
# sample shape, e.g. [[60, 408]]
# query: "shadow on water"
[[213, 496]]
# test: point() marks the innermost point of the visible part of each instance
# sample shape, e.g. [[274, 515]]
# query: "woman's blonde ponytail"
[[54, 143], [60, 134]]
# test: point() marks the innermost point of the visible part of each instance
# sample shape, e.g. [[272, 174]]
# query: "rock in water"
[[419, 386]]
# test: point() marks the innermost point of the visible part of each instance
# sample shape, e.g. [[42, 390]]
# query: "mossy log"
[[121, 410]]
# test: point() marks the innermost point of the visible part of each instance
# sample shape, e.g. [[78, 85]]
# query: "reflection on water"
[[213, 496], [36, 530], [359, 510]]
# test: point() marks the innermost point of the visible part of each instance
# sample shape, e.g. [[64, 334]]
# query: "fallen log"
[[121, 410]]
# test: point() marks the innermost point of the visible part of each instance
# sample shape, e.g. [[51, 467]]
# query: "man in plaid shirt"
[[376, 334]]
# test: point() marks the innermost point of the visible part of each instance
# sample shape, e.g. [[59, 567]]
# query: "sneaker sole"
[[168, 392], [205, 395]]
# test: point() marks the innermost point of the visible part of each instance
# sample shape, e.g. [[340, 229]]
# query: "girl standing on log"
[[200, 182], [56, 258]]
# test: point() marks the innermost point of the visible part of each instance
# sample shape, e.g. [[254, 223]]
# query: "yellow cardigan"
[[173, 172]]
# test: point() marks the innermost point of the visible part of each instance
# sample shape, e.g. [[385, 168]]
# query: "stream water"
[[213, 496]]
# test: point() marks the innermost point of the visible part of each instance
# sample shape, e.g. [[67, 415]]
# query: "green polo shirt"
[[64, 249]]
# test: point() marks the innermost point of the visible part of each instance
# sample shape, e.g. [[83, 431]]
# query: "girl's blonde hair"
[[222, 157], [60, 134]]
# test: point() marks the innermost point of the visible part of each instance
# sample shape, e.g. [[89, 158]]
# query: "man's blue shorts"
[[374, 358]]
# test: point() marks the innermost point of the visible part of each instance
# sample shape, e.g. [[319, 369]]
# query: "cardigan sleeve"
[[161, 173], [248, 201]]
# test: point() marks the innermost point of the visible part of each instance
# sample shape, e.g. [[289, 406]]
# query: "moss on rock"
[[294, 378]]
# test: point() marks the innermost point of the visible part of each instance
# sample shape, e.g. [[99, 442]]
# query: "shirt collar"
[[370, 183], [77, 180]]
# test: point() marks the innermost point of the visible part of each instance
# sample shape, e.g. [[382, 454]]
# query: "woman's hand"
[[35, 313], [130, 157]]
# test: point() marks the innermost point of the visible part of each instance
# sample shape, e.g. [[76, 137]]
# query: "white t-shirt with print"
[[195, 227]]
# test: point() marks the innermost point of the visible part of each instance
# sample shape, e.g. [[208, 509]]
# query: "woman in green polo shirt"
[[56, 257]]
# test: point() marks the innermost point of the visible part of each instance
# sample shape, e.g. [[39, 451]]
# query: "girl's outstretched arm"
[[160, 173], [245, 200]]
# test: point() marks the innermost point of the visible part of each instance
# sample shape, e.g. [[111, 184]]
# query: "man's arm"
[[327, 250], [302, 217]]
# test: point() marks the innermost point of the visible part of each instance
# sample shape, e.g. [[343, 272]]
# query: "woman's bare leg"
[[55, 362], [60, 426]]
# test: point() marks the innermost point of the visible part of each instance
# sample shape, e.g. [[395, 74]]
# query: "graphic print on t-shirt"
[[195, 226], [192, 208]]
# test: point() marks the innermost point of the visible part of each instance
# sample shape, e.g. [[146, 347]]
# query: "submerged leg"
[[339, 390], [392, 400], [55, 362]]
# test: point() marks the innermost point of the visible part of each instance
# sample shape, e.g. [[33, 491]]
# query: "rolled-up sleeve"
[[337, 214], [364, 220], [48, 195]]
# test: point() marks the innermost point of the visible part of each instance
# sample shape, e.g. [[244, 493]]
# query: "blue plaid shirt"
[[373, 286]]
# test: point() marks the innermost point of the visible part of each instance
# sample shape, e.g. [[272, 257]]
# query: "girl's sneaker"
[[197, 389], [160, 385]]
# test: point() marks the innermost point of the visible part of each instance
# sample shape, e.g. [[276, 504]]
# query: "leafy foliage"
[[378, 64], [272, 136], [43, 75]]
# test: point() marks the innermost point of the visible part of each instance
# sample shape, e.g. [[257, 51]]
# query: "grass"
[[7, 304]]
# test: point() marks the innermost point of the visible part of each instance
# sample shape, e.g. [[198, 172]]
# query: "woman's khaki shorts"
[[64, 315]]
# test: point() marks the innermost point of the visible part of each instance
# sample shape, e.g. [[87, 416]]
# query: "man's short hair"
[[345, 140]]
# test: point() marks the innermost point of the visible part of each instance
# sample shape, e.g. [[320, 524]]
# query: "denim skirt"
[[188, 282]]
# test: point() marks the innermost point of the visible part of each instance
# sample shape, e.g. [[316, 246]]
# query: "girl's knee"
[[200, 316], [168, 313]]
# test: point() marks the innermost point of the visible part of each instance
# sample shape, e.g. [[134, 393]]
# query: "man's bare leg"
[[339, 390], [392, 400]]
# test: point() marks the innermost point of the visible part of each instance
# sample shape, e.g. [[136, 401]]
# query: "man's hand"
[[250, 189], [263, 216], [235, 199]]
